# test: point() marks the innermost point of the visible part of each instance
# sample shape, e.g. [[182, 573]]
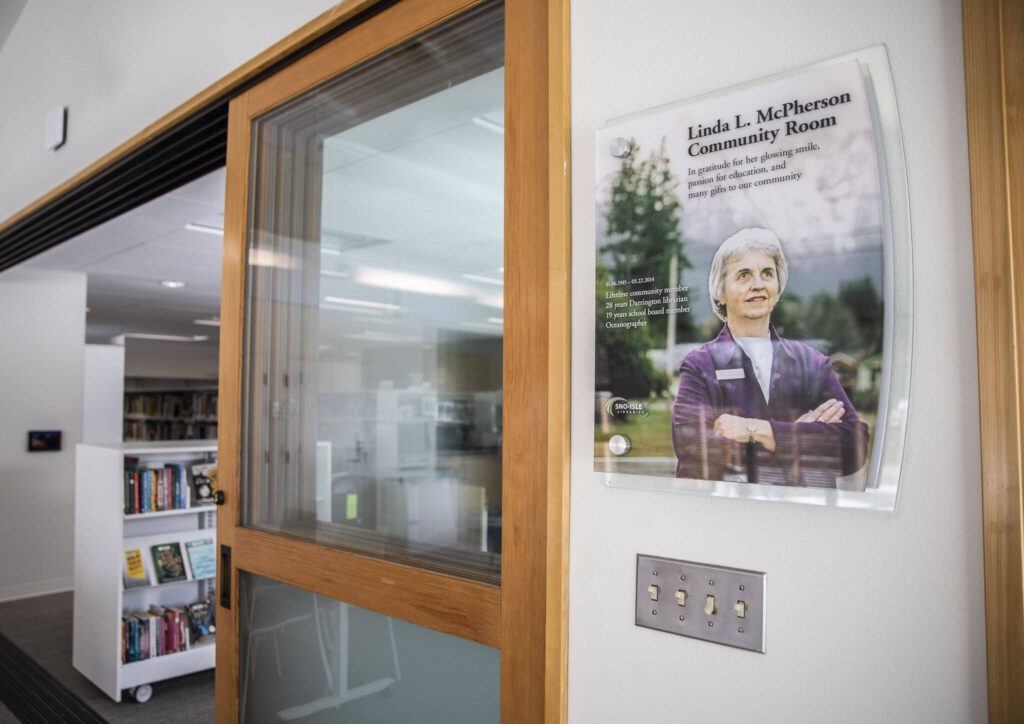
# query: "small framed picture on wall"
[[44, 440]]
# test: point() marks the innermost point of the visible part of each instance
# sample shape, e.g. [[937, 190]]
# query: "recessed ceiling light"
[[270, 258], [373, 335], [120, 338], [405, 282], [361, 303], [489, 124], [211, 322], [494, 302], [205, 228], [485, 280], [171, 284]]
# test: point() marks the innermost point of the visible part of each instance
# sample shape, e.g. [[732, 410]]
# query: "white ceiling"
[[127, 258], [416, 192], [427, 177]]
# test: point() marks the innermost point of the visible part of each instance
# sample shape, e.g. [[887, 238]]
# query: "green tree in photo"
[[830, 320], [865, 304], [790, 317], [643, 222]]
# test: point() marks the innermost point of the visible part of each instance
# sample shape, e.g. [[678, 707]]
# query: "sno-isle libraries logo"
[[621, 407]]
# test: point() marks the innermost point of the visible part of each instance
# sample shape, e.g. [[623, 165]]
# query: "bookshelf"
[[103, 532], [170, 414]]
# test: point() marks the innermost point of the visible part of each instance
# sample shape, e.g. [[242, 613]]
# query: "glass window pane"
[[305, 657], [373, 357]]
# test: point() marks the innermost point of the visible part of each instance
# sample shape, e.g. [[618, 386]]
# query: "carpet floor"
[[41, 628]]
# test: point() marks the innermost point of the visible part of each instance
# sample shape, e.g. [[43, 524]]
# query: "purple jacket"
[[806, 453]]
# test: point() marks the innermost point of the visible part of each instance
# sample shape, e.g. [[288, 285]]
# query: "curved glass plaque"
[[753, 291]]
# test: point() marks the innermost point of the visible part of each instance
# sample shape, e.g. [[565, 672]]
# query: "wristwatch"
[[751, 429]]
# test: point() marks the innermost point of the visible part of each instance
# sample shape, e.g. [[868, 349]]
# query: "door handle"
[[225, 576]]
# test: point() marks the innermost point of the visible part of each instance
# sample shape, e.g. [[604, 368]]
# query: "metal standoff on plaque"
[[621, 147], [619, 445]]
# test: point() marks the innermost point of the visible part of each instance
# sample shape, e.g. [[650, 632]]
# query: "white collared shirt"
[[761, 353]]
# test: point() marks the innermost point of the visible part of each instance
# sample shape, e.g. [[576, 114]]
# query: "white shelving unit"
[[102, 533]]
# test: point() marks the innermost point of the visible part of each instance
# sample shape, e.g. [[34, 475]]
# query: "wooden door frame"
[[526, 618], [994, 65]]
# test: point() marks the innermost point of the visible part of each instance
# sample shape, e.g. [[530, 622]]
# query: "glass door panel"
[[309, 658], [372, 361]]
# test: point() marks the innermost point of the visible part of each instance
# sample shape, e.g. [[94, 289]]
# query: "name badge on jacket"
[[734, 374]]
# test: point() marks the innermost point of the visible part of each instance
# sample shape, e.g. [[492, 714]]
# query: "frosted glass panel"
[[307, 658], [373, 359]]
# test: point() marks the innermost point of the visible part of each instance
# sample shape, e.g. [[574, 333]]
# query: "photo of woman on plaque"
[[755, 407]]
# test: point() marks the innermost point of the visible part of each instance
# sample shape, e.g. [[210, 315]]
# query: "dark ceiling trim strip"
[[192, 148]]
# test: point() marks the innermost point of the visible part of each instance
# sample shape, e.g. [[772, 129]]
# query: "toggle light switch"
[[722, 605], [709, 606]]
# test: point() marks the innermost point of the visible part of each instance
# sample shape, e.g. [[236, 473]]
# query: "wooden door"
[[394, 374]]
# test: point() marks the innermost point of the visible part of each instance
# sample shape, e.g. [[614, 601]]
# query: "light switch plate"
[[728, 587]]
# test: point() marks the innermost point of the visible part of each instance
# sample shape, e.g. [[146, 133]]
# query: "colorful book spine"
[[153, 490], [156, 632]]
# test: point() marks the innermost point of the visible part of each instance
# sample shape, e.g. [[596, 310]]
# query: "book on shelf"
[[204, 482], [135, 574], [157, 632], [150, 490], [168, 564], [201, 621], [201, 558], [170, 415]]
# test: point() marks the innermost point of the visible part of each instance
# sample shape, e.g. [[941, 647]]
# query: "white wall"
[[871, 617], [171, 360], [103, 394], [42, 325], [118, 66]]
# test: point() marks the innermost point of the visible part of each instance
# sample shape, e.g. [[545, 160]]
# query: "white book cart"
[[103, 532]]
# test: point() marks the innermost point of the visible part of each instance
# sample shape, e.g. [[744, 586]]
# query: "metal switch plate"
[[725, 592]]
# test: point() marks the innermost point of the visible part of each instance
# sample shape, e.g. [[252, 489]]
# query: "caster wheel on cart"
[[141, 694]]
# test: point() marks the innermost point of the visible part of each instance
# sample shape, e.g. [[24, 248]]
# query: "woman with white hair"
[[751, 405]]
